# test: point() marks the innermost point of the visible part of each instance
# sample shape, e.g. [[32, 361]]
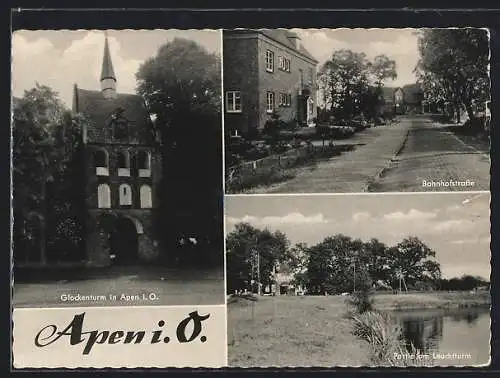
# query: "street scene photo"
[[356, 110], [394, 280], [117, 168]]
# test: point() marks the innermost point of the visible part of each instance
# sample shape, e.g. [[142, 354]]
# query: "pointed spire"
[[108, 78], [107, 71]]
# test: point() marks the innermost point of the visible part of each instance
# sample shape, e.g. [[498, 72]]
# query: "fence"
[[241, 175]]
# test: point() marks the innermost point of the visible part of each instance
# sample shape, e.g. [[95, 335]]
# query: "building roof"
[[413, 93], [100, 110], [107, 71], [388, 93], [282, 36]]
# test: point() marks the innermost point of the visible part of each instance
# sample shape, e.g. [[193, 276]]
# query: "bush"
[[362, 301]]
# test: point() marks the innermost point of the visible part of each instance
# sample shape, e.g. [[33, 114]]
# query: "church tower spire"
[[108, 78]]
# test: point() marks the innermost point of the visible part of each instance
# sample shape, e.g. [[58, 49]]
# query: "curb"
[[394, 157]]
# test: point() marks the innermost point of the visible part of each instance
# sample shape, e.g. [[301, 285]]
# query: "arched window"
[[123, 163], [125, 195], [146, 197], [101, 162], [103, 196], [120, 124], [144, 163]]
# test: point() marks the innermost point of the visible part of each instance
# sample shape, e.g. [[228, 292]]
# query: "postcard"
[[251, 198]]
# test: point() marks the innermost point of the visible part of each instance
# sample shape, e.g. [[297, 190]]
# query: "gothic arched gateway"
[[123, 242]]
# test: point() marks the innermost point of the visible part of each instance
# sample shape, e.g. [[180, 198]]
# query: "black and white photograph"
[[359, 280], [356, 110], [117, 168]]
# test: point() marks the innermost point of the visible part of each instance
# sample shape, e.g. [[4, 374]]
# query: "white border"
[[223, 163], [326, 194]]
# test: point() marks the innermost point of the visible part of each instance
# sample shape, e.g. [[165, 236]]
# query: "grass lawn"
[[292, 332], [471, 139], [432, 300], [168, 287], [266, 179]]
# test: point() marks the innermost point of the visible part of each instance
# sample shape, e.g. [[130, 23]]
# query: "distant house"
[[267, 72], [402, 100], [399, 101], [413, 98], [283, 282], [390, 99]]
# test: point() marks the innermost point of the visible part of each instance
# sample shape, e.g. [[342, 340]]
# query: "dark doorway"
[[123, 242], [302, 109]]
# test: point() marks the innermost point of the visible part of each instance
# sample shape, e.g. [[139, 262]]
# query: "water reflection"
[[424, 332], [447, 331]]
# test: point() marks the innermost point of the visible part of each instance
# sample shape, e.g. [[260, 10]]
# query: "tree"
[[454, 64], [341, 264], [340, 76], [382, 68], [377, 260], [45, 145], [181, 86], [332, 265], [241, 243], [414, 261], [350, 84], [466, 282], [297, 261]]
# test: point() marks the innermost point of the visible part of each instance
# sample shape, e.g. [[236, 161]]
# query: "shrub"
[[362, 301]]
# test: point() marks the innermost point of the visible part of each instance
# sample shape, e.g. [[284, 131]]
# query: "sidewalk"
[[352, 171], [435, 154]]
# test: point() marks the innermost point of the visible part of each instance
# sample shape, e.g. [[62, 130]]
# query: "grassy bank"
[[292, 332], [250, 180], [432, 300]]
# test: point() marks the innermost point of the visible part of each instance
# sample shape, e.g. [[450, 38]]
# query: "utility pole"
[[255, 258], [258, 274], [43, 225], [354, 283]]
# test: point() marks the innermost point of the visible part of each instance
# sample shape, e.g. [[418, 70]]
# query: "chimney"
[[295, 39], [108, 78]]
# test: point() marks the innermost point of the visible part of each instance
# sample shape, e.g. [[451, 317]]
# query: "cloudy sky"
[[398, 44], [60, 59], [456, 226]]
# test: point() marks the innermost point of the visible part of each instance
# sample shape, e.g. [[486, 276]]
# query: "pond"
[[458, 337]]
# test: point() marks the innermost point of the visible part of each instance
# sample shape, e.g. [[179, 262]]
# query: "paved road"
[[434, 154], [397, 158], [353, 170], [169, 288]]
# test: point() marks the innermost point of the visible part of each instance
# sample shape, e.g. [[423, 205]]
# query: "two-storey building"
[[267, 72]]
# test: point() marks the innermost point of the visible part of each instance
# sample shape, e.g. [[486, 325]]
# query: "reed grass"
[[386, 341]]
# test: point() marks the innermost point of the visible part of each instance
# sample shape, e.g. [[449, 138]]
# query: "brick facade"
[[241, 73], [245, 70], [119, 124]]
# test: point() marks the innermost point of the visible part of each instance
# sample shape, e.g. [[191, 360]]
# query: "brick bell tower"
[[122, 171]]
